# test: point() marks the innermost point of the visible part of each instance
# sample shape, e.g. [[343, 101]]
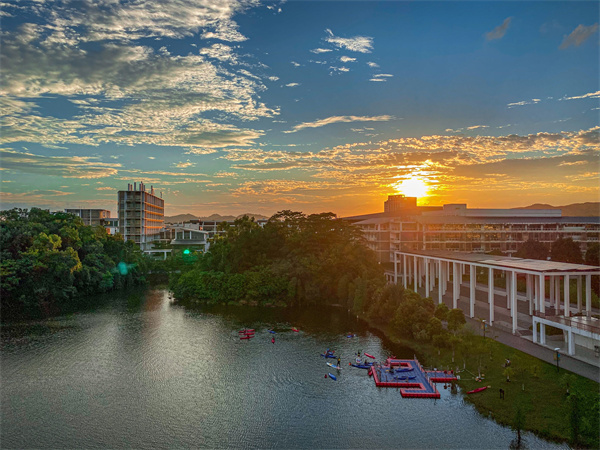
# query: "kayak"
[[295, 329], [271, 331], [478, 390], [370, 356], [328, 355], [405, 378], [403, 370], [334, 366], [249, 336], [362, 366], [246, 331], [332, 376], [351, 335]]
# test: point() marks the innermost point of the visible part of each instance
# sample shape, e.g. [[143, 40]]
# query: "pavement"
[[584, 363]]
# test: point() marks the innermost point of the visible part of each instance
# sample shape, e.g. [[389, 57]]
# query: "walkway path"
[[523, 343]]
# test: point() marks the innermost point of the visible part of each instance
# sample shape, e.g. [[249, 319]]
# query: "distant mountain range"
[[588, 209], [213, 217]]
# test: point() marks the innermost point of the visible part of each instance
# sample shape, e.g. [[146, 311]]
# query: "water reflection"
[[158, 375]]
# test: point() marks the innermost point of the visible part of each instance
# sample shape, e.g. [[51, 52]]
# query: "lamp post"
[[557, 357], [483, 324]]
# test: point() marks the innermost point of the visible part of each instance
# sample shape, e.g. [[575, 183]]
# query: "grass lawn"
[[535, 387]]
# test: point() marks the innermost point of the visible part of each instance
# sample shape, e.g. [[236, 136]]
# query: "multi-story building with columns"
[[454, 227]]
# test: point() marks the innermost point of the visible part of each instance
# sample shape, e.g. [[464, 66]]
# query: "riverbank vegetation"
[[293, 260], [52, 260], [557, 405]]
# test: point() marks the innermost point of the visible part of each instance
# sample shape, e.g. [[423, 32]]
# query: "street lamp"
[[484, 325], [557, 357]]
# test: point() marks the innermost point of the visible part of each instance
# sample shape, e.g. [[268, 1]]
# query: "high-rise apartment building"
[[91, 217], [141, 215]]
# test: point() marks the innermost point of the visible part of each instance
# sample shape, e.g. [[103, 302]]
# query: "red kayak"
[[478, 390], [248, 336], [246, 331], [295, 329], [370, 356]]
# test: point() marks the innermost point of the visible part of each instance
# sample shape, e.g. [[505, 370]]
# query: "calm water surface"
[[140, 372]]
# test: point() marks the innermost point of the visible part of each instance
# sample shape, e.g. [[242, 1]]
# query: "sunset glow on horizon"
[[224, 110]]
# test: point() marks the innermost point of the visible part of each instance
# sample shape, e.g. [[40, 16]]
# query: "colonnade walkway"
[[486, 305]]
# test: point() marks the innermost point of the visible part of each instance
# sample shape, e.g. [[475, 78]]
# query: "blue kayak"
[[362, 366], [403, 370], [271, 331], [328, 355], [401, 378], [332, 377]]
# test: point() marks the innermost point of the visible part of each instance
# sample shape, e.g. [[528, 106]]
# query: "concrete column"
[[551, 283], [557, 294], [571, 343], [416, 276], [534, 322], [395, 268], [404, 272], [579, 293], [455, 286], [427, 286], [507, 280], [536, 294], [542, 291], [491, 293], [432, 268], [513, 295], [440, 282], [588, 295], [529, 293], [567, 296], [542, 333], [472, 291]]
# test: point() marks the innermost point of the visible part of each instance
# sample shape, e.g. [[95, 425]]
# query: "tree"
[[566, 250], [441, 311], [456, 320], [592, 254], [531, 249], [518, 425]]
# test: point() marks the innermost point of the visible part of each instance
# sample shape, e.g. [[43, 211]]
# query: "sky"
[[247, 106]]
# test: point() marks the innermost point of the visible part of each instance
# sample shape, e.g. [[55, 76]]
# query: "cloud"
[[292, 84], [339, 119], [588, 95], [106, 188], [372, 64], [361, 44], [499, 31], [377, 79], [524, 102], [346, 59], [321, 50], [126, 92], [578, 36], [62, 166], [183, 165]]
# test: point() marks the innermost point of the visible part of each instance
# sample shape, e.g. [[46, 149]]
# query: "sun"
[[412, 187]]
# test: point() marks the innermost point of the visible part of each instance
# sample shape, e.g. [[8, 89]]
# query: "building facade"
[[454, 227], [92, 217], [141, 215]]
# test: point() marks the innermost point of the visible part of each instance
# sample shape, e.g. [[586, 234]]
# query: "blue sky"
[[236, 106]]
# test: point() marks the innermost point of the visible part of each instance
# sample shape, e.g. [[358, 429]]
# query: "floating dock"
[[410, 377]]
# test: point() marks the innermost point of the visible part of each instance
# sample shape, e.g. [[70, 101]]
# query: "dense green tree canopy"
[[566, 250], [533, 250], [51, 259], [300, 259]]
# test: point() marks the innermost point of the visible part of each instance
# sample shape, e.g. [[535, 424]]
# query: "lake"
[[138, 371]]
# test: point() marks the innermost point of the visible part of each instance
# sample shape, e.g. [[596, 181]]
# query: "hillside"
[[588, 209]]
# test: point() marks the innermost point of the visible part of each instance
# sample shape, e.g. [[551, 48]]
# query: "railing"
[[569, 322]]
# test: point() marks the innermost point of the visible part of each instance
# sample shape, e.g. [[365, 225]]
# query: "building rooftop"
[[503, 262]]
